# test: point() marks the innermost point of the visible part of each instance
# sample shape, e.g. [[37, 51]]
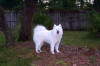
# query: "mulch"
[[69, 55]]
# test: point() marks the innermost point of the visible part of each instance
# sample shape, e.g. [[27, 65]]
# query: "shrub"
[[15, 32], [42, 19], [94, 23], [2, 39]]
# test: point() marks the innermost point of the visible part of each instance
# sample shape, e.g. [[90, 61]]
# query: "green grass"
[[14, 56], [8, 57], [80, 38], [61, 62]]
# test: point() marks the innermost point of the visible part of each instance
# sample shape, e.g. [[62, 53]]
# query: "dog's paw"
[[52, 52], [40, 51], [58, 51], [37, 51]]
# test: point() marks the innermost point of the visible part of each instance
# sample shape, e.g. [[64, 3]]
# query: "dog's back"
[[39, 31], [39, 28]]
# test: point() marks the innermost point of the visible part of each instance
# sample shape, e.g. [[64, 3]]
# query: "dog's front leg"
[[57, 47]]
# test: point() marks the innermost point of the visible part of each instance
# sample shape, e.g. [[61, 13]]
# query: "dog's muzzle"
[[57, 32]]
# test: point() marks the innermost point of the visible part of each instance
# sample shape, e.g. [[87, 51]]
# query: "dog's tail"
[[39, 28]]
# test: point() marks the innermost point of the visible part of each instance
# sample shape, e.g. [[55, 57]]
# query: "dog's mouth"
[[57, 32]]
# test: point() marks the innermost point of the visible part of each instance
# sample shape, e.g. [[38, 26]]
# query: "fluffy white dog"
[[52, 37]]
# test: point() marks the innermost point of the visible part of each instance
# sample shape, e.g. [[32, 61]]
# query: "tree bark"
[[26, 25]]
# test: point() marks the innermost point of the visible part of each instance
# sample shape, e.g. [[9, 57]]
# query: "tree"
[[62, 4], [26, 25], [69, 4], [82, 3]]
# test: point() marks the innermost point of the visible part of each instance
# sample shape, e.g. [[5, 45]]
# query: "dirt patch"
[[69, 56]]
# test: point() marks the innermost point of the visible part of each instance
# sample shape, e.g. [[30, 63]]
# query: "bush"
[[15, 32], [2, 39], [94, 23], [42, 19]]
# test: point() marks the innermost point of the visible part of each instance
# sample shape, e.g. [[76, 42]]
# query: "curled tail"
[[39, 28]]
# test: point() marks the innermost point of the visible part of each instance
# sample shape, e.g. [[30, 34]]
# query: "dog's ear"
[[60, 25], [54, 25]]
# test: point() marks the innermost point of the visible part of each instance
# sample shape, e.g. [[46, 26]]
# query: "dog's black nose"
[[57, 32]]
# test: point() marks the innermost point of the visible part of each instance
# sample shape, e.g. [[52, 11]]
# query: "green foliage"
[[55, 4], [62, 4], [15, 32], [2, 39], [94, 22], [10, 4], [42, 19], [69, 4], [89, 6], [96, 4]]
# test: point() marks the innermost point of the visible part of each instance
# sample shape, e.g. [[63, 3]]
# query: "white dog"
[[52, 37]]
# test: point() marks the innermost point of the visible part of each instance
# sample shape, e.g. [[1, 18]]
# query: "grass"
[[61, 62], [92, 59], [14, 56], [23, 57], [8, 57], [80, 38]]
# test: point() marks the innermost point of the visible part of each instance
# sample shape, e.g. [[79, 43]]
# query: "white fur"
[[41, 35]]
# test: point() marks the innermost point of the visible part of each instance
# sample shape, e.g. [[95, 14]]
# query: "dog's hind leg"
[[41, 44], [37, 48], [52, 48]]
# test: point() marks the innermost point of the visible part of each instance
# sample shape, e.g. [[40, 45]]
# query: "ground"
[[69, 56], [72, 52]]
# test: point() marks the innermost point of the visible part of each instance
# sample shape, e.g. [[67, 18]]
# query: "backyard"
[[77, 48], [79, 19]]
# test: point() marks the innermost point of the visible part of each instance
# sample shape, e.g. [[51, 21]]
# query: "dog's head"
[[58, 29]]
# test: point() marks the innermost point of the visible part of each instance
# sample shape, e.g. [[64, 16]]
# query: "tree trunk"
[[26, 25]]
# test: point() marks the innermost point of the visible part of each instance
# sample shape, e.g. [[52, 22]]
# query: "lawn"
[[80, 38], [17, 56], [72, 38], [8, 56]]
